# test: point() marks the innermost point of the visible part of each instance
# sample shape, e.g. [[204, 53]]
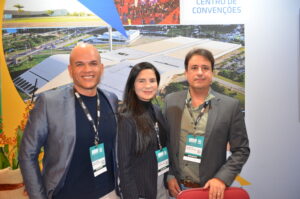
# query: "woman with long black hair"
[[142, 137]]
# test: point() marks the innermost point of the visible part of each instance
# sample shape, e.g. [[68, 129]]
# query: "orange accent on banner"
[[172, 18], [12, 104], [242, 181]]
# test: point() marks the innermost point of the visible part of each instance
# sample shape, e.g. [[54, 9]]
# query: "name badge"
[[193, 148], [97, 155], [162, 161]]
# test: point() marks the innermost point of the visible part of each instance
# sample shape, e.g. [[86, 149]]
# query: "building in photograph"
[[11, 14], [117, 37], [167, 55]]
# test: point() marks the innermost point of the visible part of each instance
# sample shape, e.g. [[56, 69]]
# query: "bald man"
[[76, 126]]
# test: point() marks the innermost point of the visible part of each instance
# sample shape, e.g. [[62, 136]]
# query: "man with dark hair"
[[77, 128], [202, 122]]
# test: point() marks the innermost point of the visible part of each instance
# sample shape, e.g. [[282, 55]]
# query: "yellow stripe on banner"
[[12, 104], [242, 181]]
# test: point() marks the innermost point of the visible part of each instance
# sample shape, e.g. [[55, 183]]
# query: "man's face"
[[86, 69], [199, 72]]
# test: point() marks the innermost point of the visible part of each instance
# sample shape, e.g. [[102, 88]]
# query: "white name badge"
[[162, 161], [97, 155], [193, 148]]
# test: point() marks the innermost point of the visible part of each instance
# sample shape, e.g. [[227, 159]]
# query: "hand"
[[173, 187], [25, 193], [216, 188]]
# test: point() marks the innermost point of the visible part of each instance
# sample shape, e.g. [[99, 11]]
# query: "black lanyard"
[[89, 116], [156, 128], [206, 103]]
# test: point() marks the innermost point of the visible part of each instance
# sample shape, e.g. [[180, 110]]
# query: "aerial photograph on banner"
[[139, 12], [48, 13], [37, 58]]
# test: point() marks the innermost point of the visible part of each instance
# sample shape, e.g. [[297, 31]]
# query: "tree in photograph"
[[50, 12], [217, 87], [19, 6], [30, 58], [81, 14]]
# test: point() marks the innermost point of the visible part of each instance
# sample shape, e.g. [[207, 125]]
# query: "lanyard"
[[156, 128], [206, 103], [89, 116]]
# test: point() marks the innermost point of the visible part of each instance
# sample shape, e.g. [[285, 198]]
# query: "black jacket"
[[138, 173]]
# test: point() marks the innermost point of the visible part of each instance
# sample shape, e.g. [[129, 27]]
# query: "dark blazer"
[[225, 124], [138, 174], [51, 125]]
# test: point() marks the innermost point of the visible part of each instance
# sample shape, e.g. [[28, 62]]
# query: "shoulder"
[[159, 115], [56, 94], [156, 108], [157, 111], [111, 98], [109, 95], [176, 95], [126, 124], [52, 103], [226, 104], [224, 98], [125, 119]]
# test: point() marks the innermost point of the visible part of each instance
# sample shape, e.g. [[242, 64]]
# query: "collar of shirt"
[[208, 97]]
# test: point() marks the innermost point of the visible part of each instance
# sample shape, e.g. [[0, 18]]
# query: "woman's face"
[[145, 85]]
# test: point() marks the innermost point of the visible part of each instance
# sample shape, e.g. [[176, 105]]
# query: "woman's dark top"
[[138, 173]]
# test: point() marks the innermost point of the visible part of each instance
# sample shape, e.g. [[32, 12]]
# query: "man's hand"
[[173, 186], [25, 193], [216, 188]]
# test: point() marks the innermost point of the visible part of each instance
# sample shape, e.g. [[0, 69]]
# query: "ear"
[[70, 70], [185, 74], [101, 69]]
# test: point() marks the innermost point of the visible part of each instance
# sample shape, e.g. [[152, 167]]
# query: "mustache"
[[199, 78]]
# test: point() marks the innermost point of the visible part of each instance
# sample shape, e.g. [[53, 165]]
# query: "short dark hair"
[[202, 52]]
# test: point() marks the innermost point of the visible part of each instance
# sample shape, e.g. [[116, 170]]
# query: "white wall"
[[272, 99]]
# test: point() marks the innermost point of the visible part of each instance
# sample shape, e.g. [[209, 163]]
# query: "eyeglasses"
[[204, 68]]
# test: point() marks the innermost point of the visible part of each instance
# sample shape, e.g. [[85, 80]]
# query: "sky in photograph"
[[41, 5]]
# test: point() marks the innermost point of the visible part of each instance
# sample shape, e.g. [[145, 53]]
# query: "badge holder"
[[98, 159], [162, 161], [193, 148]]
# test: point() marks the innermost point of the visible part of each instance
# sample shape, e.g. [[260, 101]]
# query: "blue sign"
[[106, 10]]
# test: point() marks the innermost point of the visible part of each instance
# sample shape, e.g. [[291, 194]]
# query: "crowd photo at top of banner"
[[139, 12]]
